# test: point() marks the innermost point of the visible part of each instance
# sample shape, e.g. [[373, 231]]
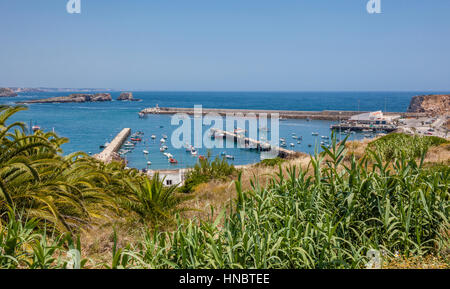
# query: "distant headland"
[[52, 89], [76, 97], [82, 97], [7, 92]]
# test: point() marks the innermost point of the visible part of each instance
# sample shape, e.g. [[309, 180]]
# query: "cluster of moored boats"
[[138, 137], [299, 139]]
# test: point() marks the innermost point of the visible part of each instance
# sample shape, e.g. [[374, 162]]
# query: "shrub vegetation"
[[328, 215]]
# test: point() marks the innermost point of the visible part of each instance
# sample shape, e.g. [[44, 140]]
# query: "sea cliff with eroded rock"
[[434, 104]]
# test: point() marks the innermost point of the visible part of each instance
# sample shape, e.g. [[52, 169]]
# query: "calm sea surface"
[[88, 125]]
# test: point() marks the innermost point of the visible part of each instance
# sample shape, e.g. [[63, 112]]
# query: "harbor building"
[[375, 117]]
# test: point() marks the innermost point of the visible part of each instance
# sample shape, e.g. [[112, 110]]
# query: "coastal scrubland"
[[322, 211]]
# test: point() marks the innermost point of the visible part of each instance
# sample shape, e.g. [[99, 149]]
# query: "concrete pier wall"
[[110, 152], [321, 115]]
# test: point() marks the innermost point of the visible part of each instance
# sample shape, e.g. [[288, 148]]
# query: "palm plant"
[[151, 200]]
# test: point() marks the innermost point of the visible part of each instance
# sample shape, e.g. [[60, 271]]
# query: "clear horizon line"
[[244, 90]]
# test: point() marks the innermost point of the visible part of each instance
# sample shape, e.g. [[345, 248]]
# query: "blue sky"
[[226, 45]]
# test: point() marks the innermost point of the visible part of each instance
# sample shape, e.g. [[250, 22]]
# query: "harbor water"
[[90, 125]]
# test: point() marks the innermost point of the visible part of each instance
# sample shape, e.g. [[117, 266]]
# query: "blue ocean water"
[[88, 125]]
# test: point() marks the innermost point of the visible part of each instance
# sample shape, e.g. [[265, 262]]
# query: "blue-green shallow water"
[[89, 125]]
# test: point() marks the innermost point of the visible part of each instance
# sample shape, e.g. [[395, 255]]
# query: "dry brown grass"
[[427, 262], [439, 154], [98, 241]]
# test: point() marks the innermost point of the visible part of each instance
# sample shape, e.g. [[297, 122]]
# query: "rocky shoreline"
[[77, 97]]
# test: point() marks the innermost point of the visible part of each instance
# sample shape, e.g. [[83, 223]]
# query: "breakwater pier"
[[334, 115], [110, 152], [252, 143]]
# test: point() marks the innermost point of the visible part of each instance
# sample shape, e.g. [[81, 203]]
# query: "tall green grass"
[[205, 170], [394, 145], [329, 219]]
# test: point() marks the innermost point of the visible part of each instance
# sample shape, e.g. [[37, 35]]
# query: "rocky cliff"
[[7, 92], [78, 97], [435, 104]]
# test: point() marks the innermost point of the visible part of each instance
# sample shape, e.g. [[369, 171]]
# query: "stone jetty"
[[110, 152]]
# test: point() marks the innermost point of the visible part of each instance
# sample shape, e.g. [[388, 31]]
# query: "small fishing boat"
[[230, 157], [194, 152], [325, 137], [149, 163], [168, 155], [283, 144], [145, 152], [162, 140], [162, 149], [282, 139], [141, 115], [153, 136], [188, 148], [292, 144], [299, 142], [136, 139], [315, 133], [294, 137], [36, 128], [164, 136], [173, 161]]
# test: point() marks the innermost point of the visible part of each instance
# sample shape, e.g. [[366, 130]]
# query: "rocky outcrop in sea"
[[435, 104], [127, 96], [77, 97], [7, 92]]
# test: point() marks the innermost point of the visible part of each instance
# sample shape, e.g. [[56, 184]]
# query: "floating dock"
[[252, 143], [284, 114], [110, 152], [364, 127]]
